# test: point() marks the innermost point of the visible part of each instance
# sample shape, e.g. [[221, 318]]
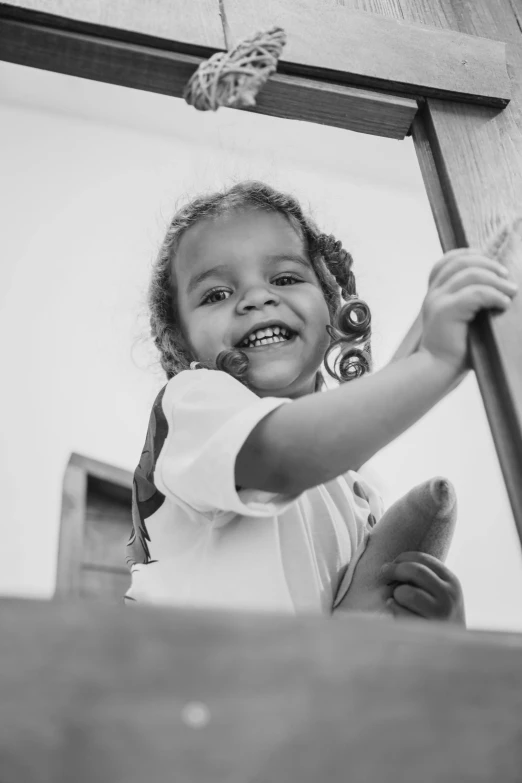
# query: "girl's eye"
[[286, 277], [218, 294], [210, 298]]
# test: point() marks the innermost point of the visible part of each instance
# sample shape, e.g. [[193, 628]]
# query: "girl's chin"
[[280, 384]]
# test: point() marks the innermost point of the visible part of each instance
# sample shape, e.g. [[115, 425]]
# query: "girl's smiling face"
[[244, 270]]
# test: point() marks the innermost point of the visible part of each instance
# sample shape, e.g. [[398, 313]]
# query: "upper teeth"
[[262, 334]]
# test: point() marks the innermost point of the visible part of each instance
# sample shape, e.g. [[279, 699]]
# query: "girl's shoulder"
[[205, 379], [206, 388]]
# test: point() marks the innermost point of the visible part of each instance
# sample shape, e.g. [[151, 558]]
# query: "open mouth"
[[271, 335]]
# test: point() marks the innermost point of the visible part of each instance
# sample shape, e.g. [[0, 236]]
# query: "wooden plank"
[[70, 547], [197, 23], [91, 57], [94, 693], [337, 105], [323, 42], [326, 40], [443, 222], [147, 68]]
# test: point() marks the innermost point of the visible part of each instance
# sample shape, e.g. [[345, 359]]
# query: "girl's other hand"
[[461, 284], [424, 587]]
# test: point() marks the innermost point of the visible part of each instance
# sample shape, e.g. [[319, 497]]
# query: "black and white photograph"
[[261, 339]]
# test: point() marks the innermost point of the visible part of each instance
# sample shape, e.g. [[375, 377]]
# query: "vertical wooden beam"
[[72, 525], [478, 155], [495, 341], [471, 160]]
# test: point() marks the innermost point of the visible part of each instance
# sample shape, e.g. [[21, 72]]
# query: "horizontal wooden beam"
[[329, 43], [375, 51], [89, 693], [197, 24], [337, 105], [64, 49]]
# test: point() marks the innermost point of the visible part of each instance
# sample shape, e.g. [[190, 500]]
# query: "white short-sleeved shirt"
[[199, 542]]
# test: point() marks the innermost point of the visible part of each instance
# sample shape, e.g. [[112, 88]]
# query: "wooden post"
[[95, 526], [471, 160]]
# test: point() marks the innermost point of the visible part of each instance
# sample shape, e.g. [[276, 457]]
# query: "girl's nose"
[[256, 298]]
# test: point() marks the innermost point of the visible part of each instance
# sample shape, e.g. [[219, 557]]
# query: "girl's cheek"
[[210, 339]]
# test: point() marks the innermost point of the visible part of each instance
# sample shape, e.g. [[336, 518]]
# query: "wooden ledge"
[[89, 693]]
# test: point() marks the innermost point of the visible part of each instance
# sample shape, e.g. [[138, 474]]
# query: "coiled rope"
[[235, 77]]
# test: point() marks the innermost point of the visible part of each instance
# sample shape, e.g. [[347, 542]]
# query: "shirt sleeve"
[[209, 417]]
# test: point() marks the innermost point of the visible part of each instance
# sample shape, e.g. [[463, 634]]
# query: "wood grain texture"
[[70, 546], [146, 67], [391, 8], [197, 23], [94, 693], [337, 105], [88, 56], [376, 51]]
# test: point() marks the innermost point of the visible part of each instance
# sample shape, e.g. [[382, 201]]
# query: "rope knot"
[[234, 78]]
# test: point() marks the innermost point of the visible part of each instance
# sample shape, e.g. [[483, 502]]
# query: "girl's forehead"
[[235, 232]]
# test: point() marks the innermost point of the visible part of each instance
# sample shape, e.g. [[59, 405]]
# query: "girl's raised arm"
[[321, 436]]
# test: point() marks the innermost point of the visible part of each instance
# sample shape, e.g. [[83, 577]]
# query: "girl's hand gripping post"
[[461, 284], [305, 444]]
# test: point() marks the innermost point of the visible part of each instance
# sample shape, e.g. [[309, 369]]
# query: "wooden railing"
[[92, 693]]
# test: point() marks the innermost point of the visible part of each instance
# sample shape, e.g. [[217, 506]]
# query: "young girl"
[[247, 496]]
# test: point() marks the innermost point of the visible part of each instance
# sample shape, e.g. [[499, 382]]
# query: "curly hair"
[[350, 317]]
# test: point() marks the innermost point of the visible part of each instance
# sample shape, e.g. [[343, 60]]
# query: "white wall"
[[91, 175]]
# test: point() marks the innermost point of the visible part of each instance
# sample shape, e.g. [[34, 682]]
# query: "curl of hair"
[[330, 261], [351, 333], [350, 330], [233, 362]]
